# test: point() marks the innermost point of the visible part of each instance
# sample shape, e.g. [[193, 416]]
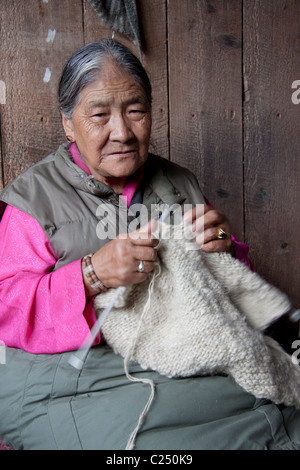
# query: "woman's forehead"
[[108, 88]]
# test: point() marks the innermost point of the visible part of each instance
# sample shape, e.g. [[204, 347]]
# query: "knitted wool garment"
[[203, 314]]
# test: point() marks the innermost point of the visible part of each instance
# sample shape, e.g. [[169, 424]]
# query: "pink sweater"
[[45, 311]]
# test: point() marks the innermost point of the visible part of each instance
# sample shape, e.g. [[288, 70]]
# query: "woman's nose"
[[120, 129]]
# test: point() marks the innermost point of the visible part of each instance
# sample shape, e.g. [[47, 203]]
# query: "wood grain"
[[272, 140], [222, 74], [31, 66], [205, 99], [152, 18]]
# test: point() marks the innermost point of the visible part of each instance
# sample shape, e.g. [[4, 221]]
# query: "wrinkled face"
[[111, 125]]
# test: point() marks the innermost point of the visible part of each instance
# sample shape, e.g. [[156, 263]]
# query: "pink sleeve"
[[241, 252], [41, 311], [240, 249]]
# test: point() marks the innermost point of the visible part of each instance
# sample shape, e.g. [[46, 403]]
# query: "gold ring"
[[221, 233]]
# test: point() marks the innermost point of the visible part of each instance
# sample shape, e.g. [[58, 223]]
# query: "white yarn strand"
[[131, 441], [215, 313], [214, 310]]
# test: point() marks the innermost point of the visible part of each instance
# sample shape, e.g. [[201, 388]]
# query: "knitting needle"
[[294, 315], [77, 359]]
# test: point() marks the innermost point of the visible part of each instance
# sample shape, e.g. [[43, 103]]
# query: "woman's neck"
[[118, 185]]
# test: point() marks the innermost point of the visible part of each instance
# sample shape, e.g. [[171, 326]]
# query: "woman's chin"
[[124, 168]]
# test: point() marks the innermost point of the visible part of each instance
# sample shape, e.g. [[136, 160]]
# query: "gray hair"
[[85, 64]]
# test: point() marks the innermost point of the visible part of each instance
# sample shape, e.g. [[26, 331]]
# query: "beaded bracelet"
[[89, 273]]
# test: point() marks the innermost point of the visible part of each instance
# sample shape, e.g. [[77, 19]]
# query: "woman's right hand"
[[116, 263]]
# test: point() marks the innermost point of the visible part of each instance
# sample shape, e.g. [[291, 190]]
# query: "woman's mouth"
[[121, 153]]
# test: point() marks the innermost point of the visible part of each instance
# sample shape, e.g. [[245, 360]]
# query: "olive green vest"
[[80, 214]]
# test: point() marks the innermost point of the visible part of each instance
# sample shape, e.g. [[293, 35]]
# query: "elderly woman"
[[57, 252], [48, 229]]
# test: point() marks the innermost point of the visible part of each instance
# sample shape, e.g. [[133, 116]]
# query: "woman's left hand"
[[209, 224]]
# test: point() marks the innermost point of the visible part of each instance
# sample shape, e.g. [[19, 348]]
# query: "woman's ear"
[[68, 126]]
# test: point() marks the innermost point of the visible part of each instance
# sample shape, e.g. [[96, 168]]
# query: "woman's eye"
[[136, 113], [100, 116]]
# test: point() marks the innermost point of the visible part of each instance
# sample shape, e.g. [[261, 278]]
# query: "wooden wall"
[[222, 73]]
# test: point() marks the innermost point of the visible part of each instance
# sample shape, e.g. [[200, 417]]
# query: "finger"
[[217, 246], [212, 218], [144, 235], [144, 253], [151, 241], [194, 213], [212, 242], [149, 227], [202, 216], [137, 278], [148, 267], [212, 233]]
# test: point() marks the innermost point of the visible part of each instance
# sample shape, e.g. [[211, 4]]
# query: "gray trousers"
[[46, 404]]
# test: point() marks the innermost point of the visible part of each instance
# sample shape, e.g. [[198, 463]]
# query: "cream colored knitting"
[[205, 315]]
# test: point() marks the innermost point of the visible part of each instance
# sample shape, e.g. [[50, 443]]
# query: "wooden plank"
[[272, 140], [205, 99], [152, 18], [35, 40]]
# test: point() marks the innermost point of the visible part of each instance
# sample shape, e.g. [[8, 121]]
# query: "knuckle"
[[214, 245], [210, 234], [141, 278], [122, 275], [150, 267], [149, 254]]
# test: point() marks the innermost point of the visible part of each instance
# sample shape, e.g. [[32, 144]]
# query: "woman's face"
[[111, 126]]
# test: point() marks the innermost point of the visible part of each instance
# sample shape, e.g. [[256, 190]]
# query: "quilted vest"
[[78, 213]]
